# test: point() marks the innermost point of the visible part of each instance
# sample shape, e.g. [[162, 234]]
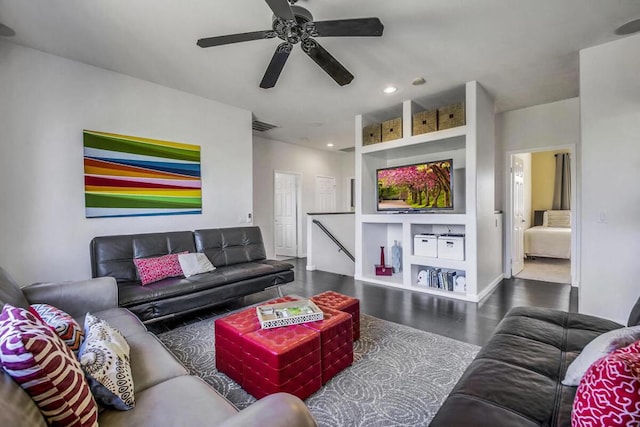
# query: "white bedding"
[[552, 242]]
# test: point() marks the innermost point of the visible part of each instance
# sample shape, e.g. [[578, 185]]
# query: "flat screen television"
[[421, 187]]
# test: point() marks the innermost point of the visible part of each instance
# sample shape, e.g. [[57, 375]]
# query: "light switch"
[[602, 218]]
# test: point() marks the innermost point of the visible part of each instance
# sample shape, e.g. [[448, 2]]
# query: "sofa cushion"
[[530, 350], [123, 320], [599, 347], [131, 293], [61, 323], [37, 359], [154, 269], [228, 246], [10, 292], [104, 357], [181, 401], [17, 409], [151, 362], [634, 315], [609, 393], [113, 255]]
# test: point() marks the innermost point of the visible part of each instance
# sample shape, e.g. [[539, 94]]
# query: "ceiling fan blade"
[[281, 9], [276, 65], [327, 62], [359, 27], [236, 38]]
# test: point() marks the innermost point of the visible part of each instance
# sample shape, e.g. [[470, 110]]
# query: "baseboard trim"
[[311, 267], [486, 291]]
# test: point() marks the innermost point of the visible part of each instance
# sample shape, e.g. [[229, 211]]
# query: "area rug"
[[546, 270], [400, 376]]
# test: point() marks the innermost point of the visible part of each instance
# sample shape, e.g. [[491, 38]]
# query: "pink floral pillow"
[[154, 269], [609, 392]]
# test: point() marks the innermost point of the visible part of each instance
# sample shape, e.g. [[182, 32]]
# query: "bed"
[[552, 239]]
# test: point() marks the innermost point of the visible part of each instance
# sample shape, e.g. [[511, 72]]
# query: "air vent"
[[259, 126]]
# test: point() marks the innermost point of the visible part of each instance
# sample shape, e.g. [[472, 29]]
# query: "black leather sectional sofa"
[[237, 253], [515, 380]]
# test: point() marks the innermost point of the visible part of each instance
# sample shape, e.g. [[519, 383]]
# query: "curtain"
[[562, 186]]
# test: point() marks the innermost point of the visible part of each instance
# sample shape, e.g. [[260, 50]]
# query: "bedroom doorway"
[[539, 248]]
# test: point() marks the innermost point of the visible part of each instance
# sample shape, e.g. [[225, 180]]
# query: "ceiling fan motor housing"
[[293, 31]]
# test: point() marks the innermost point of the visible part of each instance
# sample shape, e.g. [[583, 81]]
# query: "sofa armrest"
[[275, 410], [76, 298]]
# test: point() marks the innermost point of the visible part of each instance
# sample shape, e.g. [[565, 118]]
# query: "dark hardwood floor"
[[465, 321]]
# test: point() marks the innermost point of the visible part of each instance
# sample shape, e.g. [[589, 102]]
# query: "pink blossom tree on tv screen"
[[416, 186]]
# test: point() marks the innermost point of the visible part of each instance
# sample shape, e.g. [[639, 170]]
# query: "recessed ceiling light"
[[628, 28], [418, 81], [330, 144], [390, 89]]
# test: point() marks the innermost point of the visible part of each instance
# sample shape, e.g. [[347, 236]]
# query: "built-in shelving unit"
[[472, 148]]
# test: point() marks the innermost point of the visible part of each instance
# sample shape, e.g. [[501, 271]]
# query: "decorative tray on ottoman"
[[288, 313]]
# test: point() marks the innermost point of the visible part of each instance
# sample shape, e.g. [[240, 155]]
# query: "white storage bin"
[[425, 245], [451, 247]]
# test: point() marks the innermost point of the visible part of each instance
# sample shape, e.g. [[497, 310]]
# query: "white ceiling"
[[525, 52]]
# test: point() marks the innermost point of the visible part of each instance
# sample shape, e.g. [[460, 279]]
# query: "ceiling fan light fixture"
[[628, 28], [418, 81], [389, 89], [6, 31]]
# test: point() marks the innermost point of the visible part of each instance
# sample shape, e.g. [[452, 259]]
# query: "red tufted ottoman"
[[229, 331], [282, 359], [336, 341], [336, 301]]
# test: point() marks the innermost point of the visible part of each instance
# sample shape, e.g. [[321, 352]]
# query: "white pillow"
[[557, 219], [195, 263], [597, 349]]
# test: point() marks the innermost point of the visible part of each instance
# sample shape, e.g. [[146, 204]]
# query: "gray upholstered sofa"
[[165, 394], [237, 253], [515, 380]]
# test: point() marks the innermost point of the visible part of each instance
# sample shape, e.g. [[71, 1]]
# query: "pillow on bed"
[[560, 219]]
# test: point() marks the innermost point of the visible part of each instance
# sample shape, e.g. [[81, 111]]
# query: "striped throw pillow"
[[62, 323], [44, 366]]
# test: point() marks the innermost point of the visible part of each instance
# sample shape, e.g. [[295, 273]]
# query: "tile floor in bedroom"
[[461, 320]]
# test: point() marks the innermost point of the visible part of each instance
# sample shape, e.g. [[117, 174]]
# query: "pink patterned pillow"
[[154, 269], [63, 324], [44, 366], [609, 392]]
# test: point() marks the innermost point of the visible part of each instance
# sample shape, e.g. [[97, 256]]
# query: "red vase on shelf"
[[382, 269]]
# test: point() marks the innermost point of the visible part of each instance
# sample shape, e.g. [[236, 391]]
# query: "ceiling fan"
[[294, 24]]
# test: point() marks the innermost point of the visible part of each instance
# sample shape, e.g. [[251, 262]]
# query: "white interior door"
[[325, 194], [517, 221], [285, 213]]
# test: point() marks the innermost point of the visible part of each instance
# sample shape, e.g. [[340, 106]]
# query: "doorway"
[[530, 192], [286, 213]]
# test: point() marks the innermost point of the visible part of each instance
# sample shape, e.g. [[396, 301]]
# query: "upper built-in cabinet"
[[472, 191]]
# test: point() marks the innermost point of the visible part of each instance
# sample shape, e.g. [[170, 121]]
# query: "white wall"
[[322, 253], [270, 156], [541, 127], [609, 172], [535, 128], [46, 102]]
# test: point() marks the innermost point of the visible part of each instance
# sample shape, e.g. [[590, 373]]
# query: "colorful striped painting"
[[132, 176]]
